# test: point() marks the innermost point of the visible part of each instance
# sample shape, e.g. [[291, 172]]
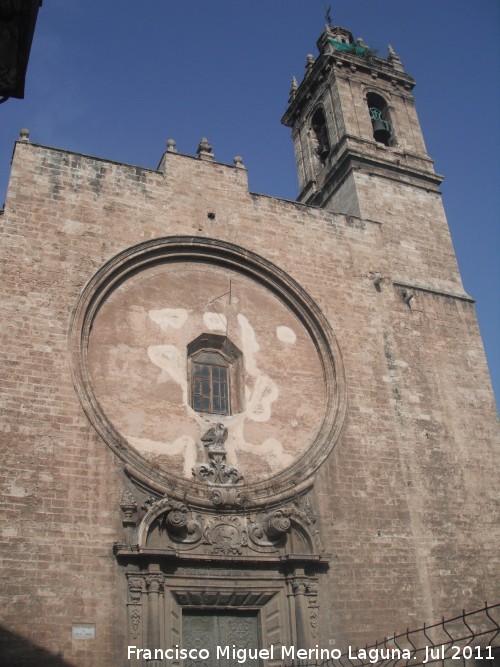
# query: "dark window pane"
[[210, 388]]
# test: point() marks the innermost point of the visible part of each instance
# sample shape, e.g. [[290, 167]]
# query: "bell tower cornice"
[[353, 116], [343, 59]]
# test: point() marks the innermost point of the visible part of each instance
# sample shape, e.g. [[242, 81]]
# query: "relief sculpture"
[[216, 470], [170, 524]]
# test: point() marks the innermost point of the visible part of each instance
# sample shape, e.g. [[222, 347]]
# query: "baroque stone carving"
[[216, 470], [304, 511], [313, 605], [135, 589], [305, 586], [226, 535], [215, 438], [175, 518], [154, 583], [128, 506], [278, 522], [298, 586], [135, 619], [228, 498], [267, 528], [172, 525]]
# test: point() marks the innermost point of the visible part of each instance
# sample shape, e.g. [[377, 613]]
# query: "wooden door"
[[214, 631]]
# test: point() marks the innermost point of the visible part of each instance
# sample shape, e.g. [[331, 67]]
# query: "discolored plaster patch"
[[139, 367], [169, 317], [286, 335], [215, 322]]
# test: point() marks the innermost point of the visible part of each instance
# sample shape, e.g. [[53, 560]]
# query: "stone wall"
[[404, 500]]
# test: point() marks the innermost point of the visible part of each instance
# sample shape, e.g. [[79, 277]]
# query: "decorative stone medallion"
[[148, 323]]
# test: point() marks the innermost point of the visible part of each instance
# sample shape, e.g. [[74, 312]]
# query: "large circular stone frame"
[[157, 314]]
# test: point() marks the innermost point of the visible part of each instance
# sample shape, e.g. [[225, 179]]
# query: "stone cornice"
[[323, 68], [353, 160]]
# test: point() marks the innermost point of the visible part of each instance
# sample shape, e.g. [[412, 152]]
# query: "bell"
[[325, 149], [381, 132]]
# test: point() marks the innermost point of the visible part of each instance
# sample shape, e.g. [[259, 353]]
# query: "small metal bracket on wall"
[[377, 279], [407, 295]]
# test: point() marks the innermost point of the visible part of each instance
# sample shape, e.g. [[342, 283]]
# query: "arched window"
[[320, 134], [381, 120], [215, 375]]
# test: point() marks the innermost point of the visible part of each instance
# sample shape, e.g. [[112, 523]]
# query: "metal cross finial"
[[328, 15]]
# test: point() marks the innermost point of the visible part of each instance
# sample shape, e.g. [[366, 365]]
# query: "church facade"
[[231, 419]]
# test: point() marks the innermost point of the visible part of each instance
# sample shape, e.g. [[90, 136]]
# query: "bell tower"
[[357, 136]]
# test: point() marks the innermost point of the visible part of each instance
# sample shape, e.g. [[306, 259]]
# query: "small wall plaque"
[[83, 631]]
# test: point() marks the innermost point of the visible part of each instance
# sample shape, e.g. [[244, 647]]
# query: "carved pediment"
[[170, 525]]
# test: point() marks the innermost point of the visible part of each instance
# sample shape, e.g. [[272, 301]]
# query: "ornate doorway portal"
[[218, 632], [202, 580]]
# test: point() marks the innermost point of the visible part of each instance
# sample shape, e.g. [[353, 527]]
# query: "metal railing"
[[471, 636]]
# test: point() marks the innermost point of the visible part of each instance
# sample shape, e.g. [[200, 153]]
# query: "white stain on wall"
[[264, 391], [275, 454], [215, 322], [249, 344], [270, 452], [169, 317], [261, 398], [172, 364], [286, 335], [261, 392]]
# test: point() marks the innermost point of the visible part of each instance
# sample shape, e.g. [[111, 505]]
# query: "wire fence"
[[470, 638]]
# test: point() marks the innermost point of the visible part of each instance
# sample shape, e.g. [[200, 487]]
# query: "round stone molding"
[[302, 323]]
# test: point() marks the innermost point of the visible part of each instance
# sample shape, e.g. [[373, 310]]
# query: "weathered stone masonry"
[[364, 384]]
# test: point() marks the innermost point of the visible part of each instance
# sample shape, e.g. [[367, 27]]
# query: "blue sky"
[[116, 79]]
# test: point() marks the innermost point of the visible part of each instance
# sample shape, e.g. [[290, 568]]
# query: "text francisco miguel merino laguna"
[[241, 655]]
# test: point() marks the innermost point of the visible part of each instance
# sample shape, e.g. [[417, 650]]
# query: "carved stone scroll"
[[173, 527]]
